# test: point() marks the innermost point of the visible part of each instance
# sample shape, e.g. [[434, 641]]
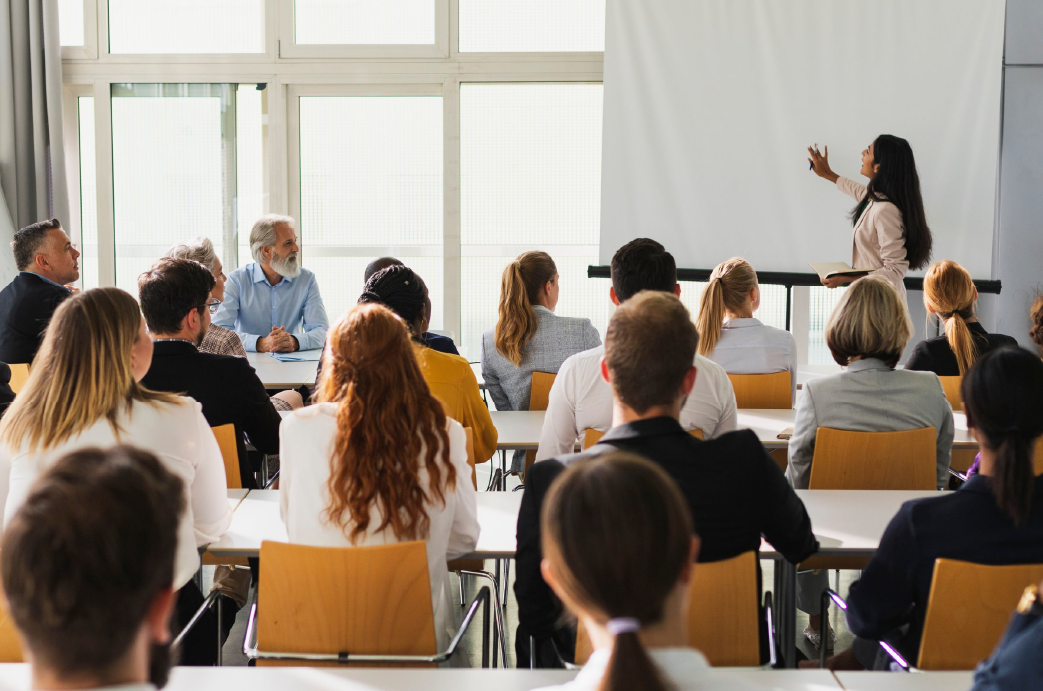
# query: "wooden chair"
[[539, 396], [763, 390], [874, 460], [723, 614], [10, 645], [951, 386], [19, 375], [968, 610], [329, 605], [225, 435], [1037, 458], [593, 436]]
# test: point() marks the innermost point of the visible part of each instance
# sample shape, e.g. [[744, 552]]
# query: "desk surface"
[[282, 375], [926, 681], [235, 498]]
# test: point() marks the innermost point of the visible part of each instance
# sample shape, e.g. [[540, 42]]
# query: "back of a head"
[[399, 288], [1036, 327], [386, 417], [86, 555], [642, 264], [198, 250], [1001, 396], [650, 345], [618, 536], [379, 264], [869, 321], [949, 290], [170, 289], [263, 233], [730, 284], [520, 287], [28, 242]]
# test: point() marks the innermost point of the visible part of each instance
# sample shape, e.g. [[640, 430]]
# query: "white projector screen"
[[710, 106]]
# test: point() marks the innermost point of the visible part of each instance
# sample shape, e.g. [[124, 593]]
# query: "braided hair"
[[401, 290]]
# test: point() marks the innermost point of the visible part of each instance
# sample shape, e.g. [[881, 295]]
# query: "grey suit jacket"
[[869, 397]]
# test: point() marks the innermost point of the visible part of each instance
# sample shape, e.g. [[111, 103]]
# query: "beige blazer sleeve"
[[855, 190]]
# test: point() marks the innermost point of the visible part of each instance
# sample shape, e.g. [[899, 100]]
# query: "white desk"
[[282, 375], [518, 429], [235, 498], [926, 681], [476, 367]]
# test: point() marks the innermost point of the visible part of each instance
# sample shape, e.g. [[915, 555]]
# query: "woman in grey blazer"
[[867, 333], [528, 336]]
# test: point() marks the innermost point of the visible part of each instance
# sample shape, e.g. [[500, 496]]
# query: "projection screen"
[[710, 106]]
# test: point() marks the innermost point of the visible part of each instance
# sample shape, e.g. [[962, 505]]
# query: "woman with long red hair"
[[377, 461]]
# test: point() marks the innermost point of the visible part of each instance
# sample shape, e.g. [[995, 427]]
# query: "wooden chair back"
[[968, 609], [10, 645], [874, 460], [468, 564], [1037, 458], [723, 613], [951, 386], [763, 390], [539, 396], [593, 436], [225, 435], [364, 600], [19, 375]]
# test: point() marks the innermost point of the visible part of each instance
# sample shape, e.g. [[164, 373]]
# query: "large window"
[[88, 199], [388, 22], [532, 26], [186, 26]]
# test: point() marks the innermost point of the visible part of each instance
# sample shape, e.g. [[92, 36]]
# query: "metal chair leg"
[[506, 582], [462, 603]]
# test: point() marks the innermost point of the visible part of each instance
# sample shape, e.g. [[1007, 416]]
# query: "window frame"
[[89, 49]]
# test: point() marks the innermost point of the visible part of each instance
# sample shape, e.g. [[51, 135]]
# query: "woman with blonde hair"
[[528, 336], [84, 391], [950, 295], [730, 335], [377, 461], [866, 334]]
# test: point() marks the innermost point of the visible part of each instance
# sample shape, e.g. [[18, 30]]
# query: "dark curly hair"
[[400, 289]]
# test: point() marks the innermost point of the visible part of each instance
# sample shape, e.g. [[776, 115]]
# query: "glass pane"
[[173, 173], [88, 195], [186, 26], [365, 22], [70, 22], [823, 300], [493, 26], [249, 170]]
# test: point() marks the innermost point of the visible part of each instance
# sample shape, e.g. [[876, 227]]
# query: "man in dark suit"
[[735, 491], [176, 302], [46, 262]]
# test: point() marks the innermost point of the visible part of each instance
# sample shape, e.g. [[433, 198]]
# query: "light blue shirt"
[[252, 307]]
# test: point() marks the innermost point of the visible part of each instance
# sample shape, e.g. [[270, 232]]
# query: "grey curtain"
[[32, 155]]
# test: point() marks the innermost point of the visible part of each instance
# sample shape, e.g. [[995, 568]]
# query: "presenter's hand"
[[820, 163], [835, 281]]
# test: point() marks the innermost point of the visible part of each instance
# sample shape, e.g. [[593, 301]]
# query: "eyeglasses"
[[212, 305]]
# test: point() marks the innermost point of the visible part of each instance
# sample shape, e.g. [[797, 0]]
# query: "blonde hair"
[[730, 285], [949, 290], [82, 372], [520, 288], [869, 321]]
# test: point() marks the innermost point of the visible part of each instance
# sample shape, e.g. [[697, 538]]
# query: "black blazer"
[[26, 307], [967, 525], [228, 389], [735, 491], [935, 355]]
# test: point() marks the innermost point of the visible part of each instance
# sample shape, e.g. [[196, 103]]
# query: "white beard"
[[287, 268]]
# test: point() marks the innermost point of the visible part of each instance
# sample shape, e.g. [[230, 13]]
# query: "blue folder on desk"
[[299, 356]]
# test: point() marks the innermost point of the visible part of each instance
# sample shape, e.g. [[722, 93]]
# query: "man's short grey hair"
[[198, 250], [263, 233]]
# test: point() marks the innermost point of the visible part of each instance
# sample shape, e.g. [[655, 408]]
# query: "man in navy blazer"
[[47, 262]]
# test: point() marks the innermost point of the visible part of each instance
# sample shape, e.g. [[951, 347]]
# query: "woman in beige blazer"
[[890, 227]]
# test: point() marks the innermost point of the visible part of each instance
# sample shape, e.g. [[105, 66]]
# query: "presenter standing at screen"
[[890, 227]]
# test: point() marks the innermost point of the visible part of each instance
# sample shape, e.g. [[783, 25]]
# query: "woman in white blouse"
[[730, 335], [83, 391], [377, 461]]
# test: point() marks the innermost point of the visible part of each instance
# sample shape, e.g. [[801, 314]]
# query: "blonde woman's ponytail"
[[520, 288], [711, 316], [949, 291], [730, 285]]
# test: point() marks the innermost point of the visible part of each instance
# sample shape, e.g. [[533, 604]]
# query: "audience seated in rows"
[[730, 335], [442, 344], [735, 491], [949, 294], [84, 391], [46, 261], [996, 517], [528, 336], [866, 333], [273, 303], [1016, 663], [449, 377], [581, 399], [87, 563], [625, 575], [377, 461]]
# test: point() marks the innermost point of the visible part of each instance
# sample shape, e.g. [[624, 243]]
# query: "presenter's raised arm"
[[820, 163]]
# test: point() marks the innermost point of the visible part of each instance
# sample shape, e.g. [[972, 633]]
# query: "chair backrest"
[[19, 375], [763, 390], [951, 386], [363, 600], [225, 435], [593, 436], [723, 613], [10, 645], [1037, 458], [874, 460], [968, 610], [539, 395]]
